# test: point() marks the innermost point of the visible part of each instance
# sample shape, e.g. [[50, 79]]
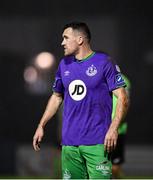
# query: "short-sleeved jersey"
[[87, 90]]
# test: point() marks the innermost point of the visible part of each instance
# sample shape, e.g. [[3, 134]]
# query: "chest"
[[82, 74]]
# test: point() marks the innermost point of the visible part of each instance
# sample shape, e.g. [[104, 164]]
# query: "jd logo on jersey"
[[77, 90]]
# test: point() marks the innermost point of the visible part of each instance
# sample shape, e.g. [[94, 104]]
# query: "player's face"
[[70, 42]]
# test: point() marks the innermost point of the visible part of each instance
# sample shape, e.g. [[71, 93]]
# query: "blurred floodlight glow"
[[30, 74], [44, 60]]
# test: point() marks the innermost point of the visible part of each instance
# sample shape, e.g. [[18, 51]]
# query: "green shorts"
[[86, 162]]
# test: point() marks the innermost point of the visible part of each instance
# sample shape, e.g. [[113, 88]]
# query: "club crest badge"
[[91, 71]]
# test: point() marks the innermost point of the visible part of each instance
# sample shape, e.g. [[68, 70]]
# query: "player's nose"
[[62, 43]]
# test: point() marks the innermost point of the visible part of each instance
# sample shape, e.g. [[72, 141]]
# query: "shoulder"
[[66, 60], [105, 58]]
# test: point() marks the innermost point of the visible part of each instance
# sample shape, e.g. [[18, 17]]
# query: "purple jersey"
[[87, 90]]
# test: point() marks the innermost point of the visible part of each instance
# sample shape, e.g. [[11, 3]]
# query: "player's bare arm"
[[53, 104], [121, 110]]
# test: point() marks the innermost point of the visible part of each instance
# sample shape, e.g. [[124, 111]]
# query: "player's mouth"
[[65, 48]]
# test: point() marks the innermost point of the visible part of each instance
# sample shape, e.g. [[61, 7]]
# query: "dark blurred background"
[[124, 29]]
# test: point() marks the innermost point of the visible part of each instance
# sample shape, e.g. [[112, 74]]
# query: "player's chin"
[[67, 53]]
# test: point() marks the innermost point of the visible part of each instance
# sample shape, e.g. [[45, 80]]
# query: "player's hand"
[[37, 138], [110, 139]]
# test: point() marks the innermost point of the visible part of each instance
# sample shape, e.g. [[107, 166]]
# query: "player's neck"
[[83, 53]]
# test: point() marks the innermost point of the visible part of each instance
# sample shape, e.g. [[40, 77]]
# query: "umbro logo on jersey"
[[66, 73], [91, 71], [67, 174]]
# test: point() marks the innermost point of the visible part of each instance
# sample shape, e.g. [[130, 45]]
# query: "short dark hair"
[[80, 26]]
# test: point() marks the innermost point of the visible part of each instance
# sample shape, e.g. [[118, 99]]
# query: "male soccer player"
[[118, 154], [85, 81]]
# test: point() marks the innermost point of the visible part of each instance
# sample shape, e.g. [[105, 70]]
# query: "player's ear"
[[80, 40]]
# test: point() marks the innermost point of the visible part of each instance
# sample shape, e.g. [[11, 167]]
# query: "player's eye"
[[65, 37]]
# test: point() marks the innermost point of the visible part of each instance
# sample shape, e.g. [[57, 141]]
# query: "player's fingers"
[[37, 147], [36, 144], [110, 145], [107, 145], [114, 144], [39, 139]]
